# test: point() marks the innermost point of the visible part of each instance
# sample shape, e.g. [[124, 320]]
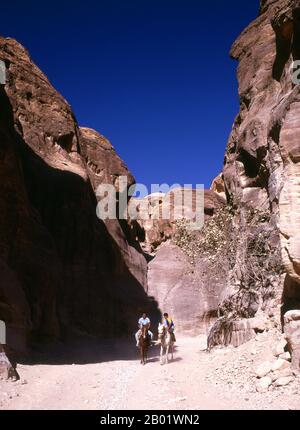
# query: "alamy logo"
[[176, 202], [295, 70], [2, 333], [2, 73]]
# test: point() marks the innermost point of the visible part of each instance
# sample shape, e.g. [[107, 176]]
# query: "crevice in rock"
[[251, 164], [66, 141], [290, 297], [275, 133], [284, 36], [296, 35]]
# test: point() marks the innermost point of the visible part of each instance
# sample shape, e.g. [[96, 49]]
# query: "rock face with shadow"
[[185, 283], [104, 166], [190, 291], [262, 171], [63, 271]]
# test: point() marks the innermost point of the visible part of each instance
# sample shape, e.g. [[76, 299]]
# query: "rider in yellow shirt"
[[169, 324]]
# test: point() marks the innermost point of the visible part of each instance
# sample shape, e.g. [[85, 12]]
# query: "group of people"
[[144, 321]]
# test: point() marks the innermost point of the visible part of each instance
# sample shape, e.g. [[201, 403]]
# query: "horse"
[[144, 343], [166, 340]]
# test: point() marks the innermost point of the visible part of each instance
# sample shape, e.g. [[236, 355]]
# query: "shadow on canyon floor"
[[81, 352]]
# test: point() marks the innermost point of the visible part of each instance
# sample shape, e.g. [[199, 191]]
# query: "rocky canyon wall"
[[261, 171], [63, 271]]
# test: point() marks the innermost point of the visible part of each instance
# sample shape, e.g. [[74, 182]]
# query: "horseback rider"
[[144, 321], [169, 324]]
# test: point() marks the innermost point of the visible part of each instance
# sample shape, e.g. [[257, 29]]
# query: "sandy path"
[[178, 385], [117, 382]]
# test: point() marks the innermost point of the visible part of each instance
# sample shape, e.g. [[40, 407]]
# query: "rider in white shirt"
[[144, 321]]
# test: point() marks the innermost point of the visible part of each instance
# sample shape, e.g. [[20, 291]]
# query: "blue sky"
[[153, 76]]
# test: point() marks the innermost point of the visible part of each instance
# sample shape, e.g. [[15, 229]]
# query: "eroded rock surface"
[[292, 330], [179, 203], [7, 370], [62, 269], [218, 186], [261, 171], [185, 283]]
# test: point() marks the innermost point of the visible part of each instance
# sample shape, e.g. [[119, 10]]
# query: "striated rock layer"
[[62, 269], [262, 170]]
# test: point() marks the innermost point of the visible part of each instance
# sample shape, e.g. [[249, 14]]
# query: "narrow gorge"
[[65, 273]]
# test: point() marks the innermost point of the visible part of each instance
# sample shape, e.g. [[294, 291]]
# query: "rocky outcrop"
[[236, 332], [104, 166], [218, 186], [180, 278], [7, 370], [159, 229], [292, 330], [261, 171], [62, 269]]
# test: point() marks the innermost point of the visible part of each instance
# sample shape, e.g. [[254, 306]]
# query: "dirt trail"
[[118, 381]]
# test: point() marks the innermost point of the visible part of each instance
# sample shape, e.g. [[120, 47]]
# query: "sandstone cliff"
[[62, 269], [261, 171]]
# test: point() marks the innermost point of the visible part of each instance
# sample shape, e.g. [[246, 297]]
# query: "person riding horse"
[[166, 338], [170, 326], [144, 321]]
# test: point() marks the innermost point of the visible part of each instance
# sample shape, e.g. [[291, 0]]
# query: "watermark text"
[[163, 202]]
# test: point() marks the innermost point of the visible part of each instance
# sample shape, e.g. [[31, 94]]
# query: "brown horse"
[[144, 343]]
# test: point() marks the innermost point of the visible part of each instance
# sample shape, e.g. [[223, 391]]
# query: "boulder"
[[242, 331], [281, 374], [280, 364], [292, 332], [286, 356], [7, 371], [282, 382], [263, 369], [262, 386], [279, 348]]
